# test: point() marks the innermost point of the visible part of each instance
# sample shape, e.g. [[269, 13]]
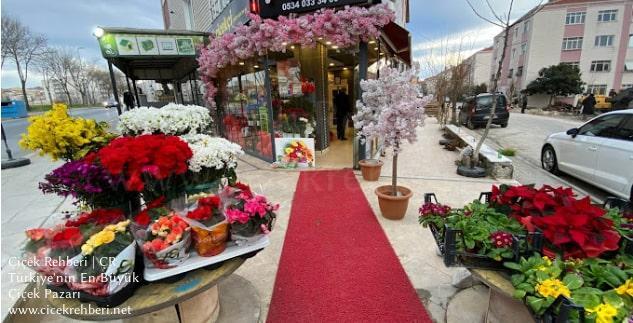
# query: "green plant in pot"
[[391, 110]]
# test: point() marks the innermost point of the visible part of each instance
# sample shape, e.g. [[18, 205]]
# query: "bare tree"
[[21, 46], [501, 20], [59, 61]]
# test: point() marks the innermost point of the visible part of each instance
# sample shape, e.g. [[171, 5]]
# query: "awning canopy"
[[152, 54], [399, 41]]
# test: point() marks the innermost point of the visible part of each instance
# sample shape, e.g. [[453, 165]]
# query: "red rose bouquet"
[[148, 163], [210, 230], [248, 214], [167, 242]]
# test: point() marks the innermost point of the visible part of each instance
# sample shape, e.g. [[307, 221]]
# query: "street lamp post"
[[11, 162]]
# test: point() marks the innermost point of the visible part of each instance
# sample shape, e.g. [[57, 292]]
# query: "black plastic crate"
[[561, 311], [446, 240]]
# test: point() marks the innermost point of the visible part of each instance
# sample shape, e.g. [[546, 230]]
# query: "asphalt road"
[[526, 133], [14, 128]]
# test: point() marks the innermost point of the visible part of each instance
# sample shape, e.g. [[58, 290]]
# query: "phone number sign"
[[275, 8]]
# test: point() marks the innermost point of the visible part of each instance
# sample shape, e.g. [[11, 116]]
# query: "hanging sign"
[[124, 44], [275, 8]]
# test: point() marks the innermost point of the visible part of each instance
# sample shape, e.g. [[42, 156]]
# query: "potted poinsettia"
[[391, 110]]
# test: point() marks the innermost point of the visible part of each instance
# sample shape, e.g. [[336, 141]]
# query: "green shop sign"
[[123, 44]]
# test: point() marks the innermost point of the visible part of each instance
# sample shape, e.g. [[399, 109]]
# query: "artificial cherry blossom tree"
[[391, 110]]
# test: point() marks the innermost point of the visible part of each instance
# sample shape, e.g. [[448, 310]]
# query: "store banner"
[[232, 15], [275, 8], [123, 44]]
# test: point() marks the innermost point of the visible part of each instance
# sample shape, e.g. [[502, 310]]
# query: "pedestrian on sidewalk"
[[524, 102], [128, 99], [342, 106], [587, 106]]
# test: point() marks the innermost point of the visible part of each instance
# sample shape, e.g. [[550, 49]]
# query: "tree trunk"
[[394, 175], [26, 97], [475, 157], [549, 104], [70, 101]]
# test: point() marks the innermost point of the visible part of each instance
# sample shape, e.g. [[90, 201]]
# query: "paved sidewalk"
[[423, 167]]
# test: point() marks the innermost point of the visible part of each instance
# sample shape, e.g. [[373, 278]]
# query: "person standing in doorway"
[[587, 105], [128, 99], [342, 106], [524, 102]]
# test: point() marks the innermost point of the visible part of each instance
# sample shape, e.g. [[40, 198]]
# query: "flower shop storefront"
[[282, 87]]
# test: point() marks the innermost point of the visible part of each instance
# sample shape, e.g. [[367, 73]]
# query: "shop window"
[[628, 66], [627, 86]]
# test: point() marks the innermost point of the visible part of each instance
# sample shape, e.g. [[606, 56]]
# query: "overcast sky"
[[69, 23]]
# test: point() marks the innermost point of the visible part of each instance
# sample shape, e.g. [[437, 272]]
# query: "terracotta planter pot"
[[370, 169], [211, 241], [393, 207]]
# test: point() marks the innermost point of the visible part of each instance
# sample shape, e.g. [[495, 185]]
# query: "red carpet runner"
[[337, 264]]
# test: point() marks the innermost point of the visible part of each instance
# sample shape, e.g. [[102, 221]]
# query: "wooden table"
[[502, 307], [153, 297]]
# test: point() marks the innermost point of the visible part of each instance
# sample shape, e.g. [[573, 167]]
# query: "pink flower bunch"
[[428, 209], [501, 239], [342, 28], [254, 207]]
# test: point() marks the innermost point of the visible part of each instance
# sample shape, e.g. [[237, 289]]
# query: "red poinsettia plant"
[[148, 163], [574, 227]]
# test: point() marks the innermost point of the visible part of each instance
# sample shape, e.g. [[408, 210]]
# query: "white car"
[[599, 152]]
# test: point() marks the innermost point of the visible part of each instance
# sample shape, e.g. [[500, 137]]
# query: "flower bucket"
[[393, 207], [210, 241], [370, 168]]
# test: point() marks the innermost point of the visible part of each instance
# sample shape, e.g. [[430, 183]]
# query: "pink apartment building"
[[595, 35]]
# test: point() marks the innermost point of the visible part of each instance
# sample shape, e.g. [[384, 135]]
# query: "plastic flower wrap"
[[106, 263], [88, 182], [296, 153], [167, 242], [213, 158], [148, 163], [59, 135], [172, 119], [248, 214], [209, 227]]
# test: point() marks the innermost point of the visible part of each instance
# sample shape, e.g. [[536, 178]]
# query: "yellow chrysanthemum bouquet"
[[57, 134], [106, 262]]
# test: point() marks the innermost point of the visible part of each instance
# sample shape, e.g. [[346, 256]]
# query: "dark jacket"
[[588, 103], [341, 103]]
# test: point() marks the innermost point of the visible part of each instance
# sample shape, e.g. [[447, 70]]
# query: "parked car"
[[476, 110], [599, 152], [110, 103]]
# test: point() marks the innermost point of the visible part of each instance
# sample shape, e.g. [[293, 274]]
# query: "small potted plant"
[[248, 214], [209, 227], [391, 110]]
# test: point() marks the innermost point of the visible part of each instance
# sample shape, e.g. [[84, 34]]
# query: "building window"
[[526, 25], [574, 18], [516, 32], [523, 48], [514, 52], [600, 66], [604, 41], [607, 15], [520, 71], [597, 89], [627, 86], [510, 73], [628, 66], [572, 43], [573, 64], [631, 41]]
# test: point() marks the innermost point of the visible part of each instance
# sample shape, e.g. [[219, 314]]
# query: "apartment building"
[[595, 35], [479, 67]]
